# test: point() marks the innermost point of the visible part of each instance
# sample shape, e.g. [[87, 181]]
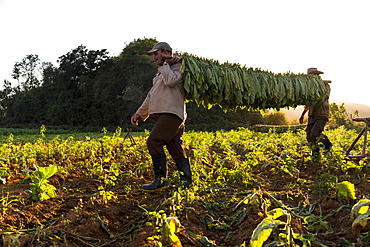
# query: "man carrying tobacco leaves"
[[318, 116], [165, 102]]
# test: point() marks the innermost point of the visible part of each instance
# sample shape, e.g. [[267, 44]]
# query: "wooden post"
[[363, 132], [129, 135]]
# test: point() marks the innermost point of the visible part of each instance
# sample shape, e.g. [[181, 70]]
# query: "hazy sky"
[[279, 36]]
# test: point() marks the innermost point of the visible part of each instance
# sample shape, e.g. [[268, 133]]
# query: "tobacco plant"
[[40, 189]]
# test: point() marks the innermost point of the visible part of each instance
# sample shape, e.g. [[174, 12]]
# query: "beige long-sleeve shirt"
[[166, 94]]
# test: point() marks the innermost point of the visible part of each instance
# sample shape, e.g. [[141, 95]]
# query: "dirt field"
[[73, 219]]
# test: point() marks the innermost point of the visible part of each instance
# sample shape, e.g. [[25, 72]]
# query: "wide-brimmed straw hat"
[[314, 71]]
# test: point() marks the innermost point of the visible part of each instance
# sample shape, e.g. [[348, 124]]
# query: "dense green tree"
[[49, 74], [118, 89], [5, 98], [275, 118], [201, 118], [339, 116], [81, 61], [27, 72]]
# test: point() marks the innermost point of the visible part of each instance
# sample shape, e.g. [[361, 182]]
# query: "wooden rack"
[[129, 135], [363, 132]]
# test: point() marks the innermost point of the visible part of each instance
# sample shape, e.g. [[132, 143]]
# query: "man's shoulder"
[[175, 66]]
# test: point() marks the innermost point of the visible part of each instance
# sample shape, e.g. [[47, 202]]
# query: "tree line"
[[89, 88]]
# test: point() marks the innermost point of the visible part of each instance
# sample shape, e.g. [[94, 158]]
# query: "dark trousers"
[[167, 131], [315, 127]]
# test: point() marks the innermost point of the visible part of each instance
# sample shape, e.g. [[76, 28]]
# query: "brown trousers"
[[315, 127], [167, 131]]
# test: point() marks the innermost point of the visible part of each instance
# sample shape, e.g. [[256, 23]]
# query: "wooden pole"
[[363, 132]]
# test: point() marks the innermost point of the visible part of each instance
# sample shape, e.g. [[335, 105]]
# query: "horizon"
[[294, 113]]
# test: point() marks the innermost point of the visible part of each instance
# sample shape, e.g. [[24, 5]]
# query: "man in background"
[[318, 116]]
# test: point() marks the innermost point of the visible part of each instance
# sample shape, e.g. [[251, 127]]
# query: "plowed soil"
[[73, 218]]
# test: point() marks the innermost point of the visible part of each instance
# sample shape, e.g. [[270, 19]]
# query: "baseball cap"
[[160, 46]]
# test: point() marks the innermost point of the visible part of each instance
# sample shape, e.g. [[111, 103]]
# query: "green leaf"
[[361, 207], [171, 226], [45, 172], [346, 190], [360, 223], [275, 213], [263, 231]]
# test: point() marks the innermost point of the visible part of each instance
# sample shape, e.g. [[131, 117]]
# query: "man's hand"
[[173, 60], [135, 119]]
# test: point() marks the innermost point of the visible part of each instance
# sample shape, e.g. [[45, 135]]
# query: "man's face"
[[157, 56]]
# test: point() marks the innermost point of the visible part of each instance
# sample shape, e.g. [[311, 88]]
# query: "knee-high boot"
[[327, 144], [183, 166], [160, 174]]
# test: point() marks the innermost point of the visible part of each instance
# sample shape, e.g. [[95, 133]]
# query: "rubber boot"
[[315, 150], [160, 174], [327, 146], [183, 166]]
